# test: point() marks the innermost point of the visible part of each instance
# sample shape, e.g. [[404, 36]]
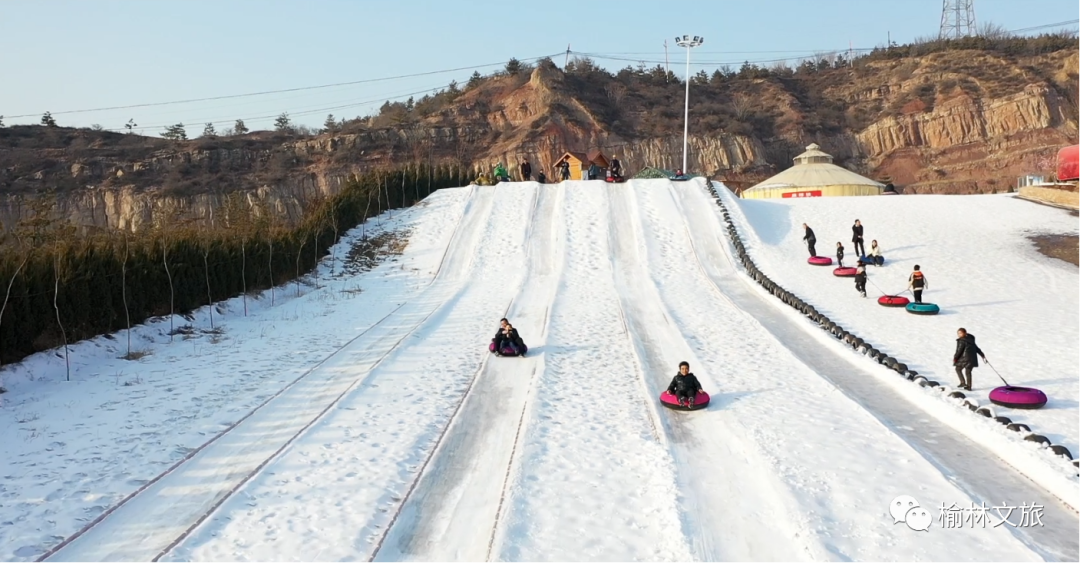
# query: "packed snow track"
[[412, 442]]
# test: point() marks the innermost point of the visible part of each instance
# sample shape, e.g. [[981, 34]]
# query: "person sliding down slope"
[[684, 386], [512, 339], [499, 339]]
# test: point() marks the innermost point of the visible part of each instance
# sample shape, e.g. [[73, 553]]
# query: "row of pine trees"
[[58, 286]]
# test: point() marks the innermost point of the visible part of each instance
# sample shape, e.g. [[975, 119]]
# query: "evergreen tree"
[[1, 121], [282, 123], [47, 120], [208, 131], [175, 133], [330, 125], [240, 128], [513, 67], [474, 80], [130, 125]]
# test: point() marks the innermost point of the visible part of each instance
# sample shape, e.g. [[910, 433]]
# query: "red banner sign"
[[814, 193]]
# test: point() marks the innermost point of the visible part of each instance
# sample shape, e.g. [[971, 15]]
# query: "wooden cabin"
[[580, 162]]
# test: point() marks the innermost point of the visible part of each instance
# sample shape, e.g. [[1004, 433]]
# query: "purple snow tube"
[[508, 350]]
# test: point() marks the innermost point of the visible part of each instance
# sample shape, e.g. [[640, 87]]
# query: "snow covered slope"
[[400, 438], [982, 271]]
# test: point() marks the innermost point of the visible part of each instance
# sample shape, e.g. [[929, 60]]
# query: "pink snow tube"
[[507, 350], [819, 260], [672, 402], [893, 301], [1018, 397], [844, 272]]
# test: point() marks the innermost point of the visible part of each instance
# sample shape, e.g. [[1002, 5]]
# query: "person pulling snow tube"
[[923, 308], [1018, 397], [893, 301], [845, 272], [701, 400], [819, 261], [508, 350]]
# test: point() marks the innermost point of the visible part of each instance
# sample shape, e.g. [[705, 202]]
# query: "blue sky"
[[71, 55]]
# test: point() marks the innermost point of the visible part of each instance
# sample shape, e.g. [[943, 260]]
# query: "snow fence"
[[865, 347]]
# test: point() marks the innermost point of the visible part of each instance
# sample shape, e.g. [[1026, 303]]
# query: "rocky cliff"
[[947, 122]]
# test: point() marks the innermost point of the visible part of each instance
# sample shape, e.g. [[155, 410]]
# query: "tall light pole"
[[689, 43]]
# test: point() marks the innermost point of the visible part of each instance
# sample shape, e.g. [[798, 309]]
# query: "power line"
[[1046, 26], [213, 98]]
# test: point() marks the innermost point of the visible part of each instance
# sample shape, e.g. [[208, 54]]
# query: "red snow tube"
[[615, 179], [844, 272], [893, 301], [507, 350], [672, 402], [819, 260], [1018, 397]]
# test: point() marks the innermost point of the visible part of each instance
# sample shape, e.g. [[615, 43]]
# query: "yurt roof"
[[815, 168]]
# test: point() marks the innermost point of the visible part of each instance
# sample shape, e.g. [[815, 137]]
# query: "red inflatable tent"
[[1068, 163]]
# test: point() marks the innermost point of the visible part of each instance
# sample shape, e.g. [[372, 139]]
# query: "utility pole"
[[667, 69], [567, 61]]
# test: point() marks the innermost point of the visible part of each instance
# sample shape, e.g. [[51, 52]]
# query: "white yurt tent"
[[814, 175]]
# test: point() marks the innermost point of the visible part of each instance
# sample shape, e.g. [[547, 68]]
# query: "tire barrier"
[[863, 347]]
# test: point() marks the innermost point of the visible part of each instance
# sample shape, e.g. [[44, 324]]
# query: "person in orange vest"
[[917, 283]]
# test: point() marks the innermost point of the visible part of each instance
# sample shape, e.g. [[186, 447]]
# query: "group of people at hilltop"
[[967, 353], [562, 171]]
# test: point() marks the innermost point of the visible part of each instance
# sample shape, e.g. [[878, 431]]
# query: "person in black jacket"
[[512, 339], [684, 386], [966, 357], [500, 337], [917, 283], [564, 169], [860, 278], [541, 177], [857, 240], [810, 239], [526, 170], [616, 166], [840, 254]]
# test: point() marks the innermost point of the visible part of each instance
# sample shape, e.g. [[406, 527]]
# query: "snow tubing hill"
[[893, 301], [672, 402], [844, 272], [507, 350], [922, 308], [819, 261], [1018, 397]]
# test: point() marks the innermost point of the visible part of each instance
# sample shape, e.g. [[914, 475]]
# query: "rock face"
[[949, 122]]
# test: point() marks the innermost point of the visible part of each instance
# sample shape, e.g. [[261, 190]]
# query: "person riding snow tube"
[[507, 341], [500, 173], [685, 387]]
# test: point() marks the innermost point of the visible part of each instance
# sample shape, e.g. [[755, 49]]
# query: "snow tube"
[[819, 260], [680, 178], [1018, 397], [869, 260], [507, 350], [844, 272], [923, 308], [893, 301], [672, 402], [615, 179]]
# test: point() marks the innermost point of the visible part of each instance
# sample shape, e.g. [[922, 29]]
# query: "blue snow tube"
[[923, 308], [869, 260]]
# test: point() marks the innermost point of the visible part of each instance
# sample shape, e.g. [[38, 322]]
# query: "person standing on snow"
[[860, 278], [917, 283], [564, 169], [966, 357], [840, 254], [857, 238], [526, 170], [810, 239], [685, 386], [594, 171]]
